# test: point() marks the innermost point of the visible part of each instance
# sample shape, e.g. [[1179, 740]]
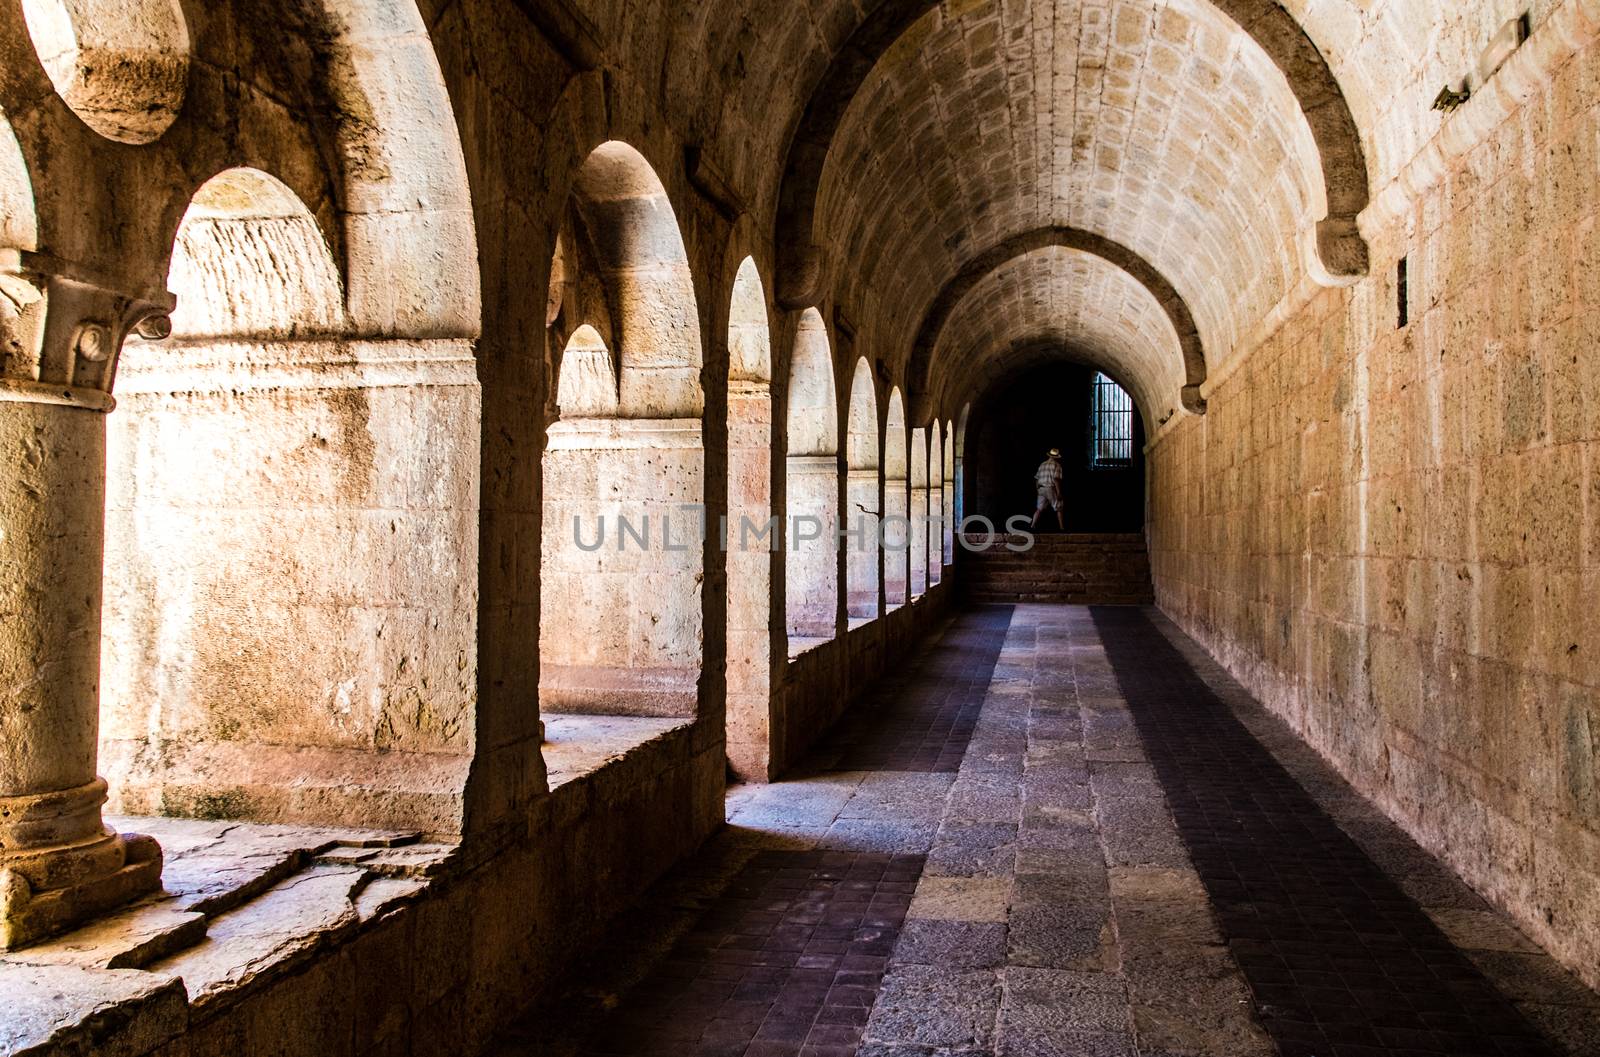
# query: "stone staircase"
[[1100, 570]]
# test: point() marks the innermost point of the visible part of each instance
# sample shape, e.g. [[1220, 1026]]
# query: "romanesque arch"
[[989, 261], [896, 503], [917, 513], [1342, 251], [950, 485], [862, 505], [749, 552], [935, 556], [812, 492], [269, 652], [621, 561]]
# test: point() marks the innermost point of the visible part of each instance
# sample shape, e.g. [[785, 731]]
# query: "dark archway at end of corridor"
[[1024, 417]]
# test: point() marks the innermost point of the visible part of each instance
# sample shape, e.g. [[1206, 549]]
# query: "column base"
[[49, 886]]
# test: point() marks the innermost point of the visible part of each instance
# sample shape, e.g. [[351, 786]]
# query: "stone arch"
[[917, 512], [267, 632], [1114, 253], [406, 219], [362, 126], [250, 262], [749, 559], [122, 66], [812, 495], [1340, 247], [19, 233], [949, 492], [621, 625], [586, 384], [959, 437], [749, 331], [641, 258], [863, 561], [19, 221], [896, 482], [935, 556], [1059, 302]]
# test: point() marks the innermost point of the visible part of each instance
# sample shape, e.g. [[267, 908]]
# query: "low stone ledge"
[[288, 785], [259, 921], [578, 747], [243, 905], [68, 1011]]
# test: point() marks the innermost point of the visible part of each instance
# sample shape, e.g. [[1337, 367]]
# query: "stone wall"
[[818, 685], [288, 632], [1392, 535]]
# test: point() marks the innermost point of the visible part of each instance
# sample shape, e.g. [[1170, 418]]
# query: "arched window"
[[949, 492], [750, 555], [586, 386], [622, 560], [896, 500], [863, 558], [961, 464], [918, 512], [122, 66], [1111, 425], [812, 488], [290, 583], [935, 555]]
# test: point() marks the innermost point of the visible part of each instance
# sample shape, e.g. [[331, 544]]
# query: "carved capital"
[[62, 327]]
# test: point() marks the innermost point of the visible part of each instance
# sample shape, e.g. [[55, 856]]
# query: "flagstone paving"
[[1062, 832]]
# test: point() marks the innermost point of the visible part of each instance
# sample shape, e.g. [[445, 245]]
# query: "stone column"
[[61, 329]]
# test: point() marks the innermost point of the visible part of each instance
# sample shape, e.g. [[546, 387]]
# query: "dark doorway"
[[1016, 424]]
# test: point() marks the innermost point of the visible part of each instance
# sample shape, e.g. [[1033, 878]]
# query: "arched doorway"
[[896, 500], [750, 554], [862, 498], [622, 559], [289, 588], [1058, 406], [812, 490]]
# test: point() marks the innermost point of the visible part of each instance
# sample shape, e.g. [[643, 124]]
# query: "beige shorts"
[[1049, 497]]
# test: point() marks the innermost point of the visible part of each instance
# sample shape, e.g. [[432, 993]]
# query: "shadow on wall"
[[1016, 424]]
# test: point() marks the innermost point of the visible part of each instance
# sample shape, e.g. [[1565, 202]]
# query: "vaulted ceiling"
[[1208, 137]]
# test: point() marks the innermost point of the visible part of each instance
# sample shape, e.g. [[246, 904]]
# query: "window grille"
[[1111, 445]]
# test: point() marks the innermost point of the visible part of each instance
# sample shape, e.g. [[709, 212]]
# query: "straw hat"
[[1055, 453]]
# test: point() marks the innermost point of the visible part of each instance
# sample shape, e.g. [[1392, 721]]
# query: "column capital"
[[62, 326]]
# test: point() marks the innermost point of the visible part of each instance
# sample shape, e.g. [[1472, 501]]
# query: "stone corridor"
[[1062, 832]]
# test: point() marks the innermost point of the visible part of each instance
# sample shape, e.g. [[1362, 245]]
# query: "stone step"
[[1104, 569]]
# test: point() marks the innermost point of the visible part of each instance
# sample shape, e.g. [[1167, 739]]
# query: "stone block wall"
[[291, 557], [1392, 534]]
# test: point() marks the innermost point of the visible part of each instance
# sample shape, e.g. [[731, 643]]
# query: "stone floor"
[[1062, 831]]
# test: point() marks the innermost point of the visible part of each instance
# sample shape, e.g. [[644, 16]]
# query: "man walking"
[[1048, 478]]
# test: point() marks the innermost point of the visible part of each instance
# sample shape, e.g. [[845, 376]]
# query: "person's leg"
[[1038, 511]]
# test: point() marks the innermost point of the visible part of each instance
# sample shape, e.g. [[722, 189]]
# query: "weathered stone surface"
[[930, 1006], [128, 940], [325, 530], [73, 1011], [962, 899]]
